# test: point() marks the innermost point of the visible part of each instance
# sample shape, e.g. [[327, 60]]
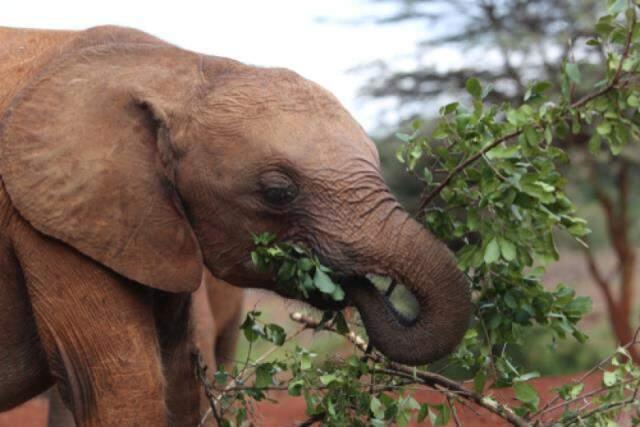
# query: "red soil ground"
[[290, 411]]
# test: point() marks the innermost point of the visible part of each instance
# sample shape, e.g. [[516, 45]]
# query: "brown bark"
[[617, 222]]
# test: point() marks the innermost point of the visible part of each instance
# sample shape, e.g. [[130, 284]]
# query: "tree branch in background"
[[616, 217]]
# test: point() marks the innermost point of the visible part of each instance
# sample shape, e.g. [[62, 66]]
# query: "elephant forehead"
[[310, 138], [278, 109]]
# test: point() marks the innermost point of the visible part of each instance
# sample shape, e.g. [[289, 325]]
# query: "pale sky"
[[311, 37]]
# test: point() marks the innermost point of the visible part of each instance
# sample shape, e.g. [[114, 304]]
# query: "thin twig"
[[200, 370], [243, 376], [454, 413], [588, 394], [545, 408], [605, 408]]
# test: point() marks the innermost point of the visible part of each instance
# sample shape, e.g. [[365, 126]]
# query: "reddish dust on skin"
[[290, 411]]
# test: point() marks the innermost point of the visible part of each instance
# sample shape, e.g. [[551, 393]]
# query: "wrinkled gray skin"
[[127, 161]]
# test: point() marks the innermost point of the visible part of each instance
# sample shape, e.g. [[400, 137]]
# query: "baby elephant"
[[216, 314], [128, 166]]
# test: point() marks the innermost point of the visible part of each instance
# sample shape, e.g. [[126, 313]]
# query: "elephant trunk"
[[424, 265]]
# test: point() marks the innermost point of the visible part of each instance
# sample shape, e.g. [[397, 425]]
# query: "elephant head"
[[155, 161]]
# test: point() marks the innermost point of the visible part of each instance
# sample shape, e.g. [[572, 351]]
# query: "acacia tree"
[[507, 43], [491, 179]]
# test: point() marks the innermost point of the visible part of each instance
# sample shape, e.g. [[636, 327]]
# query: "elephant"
[[216, 312], [129, 166]]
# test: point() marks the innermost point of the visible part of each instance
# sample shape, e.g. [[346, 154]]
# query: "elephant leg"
[[225, 305], [205, 327], [23, 366], [98, 332], [59, 414], [227, 339], [173, 322]]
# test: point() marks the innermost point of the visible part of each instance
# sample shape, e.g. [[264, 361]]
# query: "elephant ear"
[[86, 157]]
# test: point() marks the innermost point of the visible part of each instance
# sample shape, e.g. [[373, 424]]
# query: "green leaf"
[[609, 378], [338, 293], [427, 175], [449, 108], [275, 334], [305, 361], [331, 408], [492, 251], [525, 393], [263, 239], [573, 71], [504, 152], [323, 282], [532, 135], [305, 264], [541, 87], [575, 390], [514, 117], [423, 412], [474, 88], [404, 137], [251, 330], [617, 6], [439, 414], [604, 128], [479, 381], [221, 377], [507, 249], [327, 379], [528, 376], [264, 375], [376, 408], [295, 387]]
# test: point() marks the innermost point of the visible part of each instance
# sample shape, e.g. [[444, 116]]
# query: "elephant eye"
[[279, 196], [278, 189]]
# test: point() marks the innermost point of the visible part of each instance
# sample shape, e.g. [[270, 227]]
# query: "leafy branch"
[[620, 387], [561, 115]]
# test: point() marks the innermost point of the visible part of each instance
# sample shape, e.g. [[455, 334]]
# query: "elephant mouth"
[[392, 294]]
